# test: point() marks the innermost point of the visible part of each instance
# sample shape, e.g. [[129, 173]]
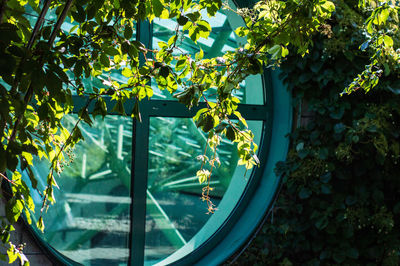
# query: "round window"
[[131, 195]]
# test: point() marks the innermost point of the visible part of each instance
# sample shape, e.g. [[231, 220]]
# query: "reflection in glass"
[[90, 221], [175, 212], [221, 40]]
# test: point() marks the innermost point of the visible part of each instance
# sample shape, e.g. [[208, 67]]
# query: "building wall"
[[21, 235]]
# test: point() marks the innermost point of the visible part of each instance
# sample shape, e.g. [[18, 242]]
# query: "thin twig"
[[9, 180], [207, 189], [60, 21], [29, 14], [38, 24], [58, 154], [35, 31], [29, 93]]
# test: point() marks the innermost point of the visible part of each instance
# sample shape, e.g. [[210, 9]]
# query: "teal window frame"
[[213, 247]]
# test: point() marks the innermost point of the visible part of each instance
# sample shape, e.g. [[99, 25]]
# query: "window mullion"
[[139, 189], [139, 171]]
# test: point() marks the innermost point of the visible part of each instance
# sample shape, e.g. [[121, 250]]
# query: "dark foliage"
[[340, 199]]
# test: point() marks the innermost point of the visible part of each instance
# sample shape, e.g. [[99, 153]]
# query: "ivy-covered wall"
[[340, 197]]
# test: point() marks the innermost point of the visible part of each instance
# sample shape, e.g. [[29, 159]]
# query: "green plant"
[[338, 203], [42, 66]]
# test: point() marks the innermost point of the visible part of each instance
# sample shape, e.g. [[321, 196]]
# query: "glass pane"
[[221, 40], [175, 211], [90, 221]]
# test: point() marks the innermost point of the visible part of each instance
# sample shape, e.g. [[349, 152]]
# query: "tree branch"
[[38, 24], [29, 93], [60, 21], [4, 176]]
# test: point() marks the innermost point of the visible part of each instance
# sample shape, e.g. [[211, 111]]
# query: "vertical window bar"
[[138, 189], [139, 167]]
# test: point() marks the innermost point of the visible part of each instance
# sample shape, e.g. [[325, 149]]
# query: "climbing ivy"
[[339, 201], [43, 65]]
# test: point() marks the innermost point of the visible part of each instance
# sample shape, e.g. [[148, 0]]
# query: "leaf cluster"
[[46, 68], [338, 204]]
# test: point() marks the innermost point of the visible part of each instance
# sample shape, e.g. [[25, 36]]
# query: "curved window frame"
[[276, 115]]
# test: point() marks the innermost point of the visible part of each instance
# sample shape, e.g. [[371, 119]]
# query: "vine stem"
[[207, 189], [29, 93], [58, 155], [60, 21], [31, 40], [238, 130], [9, 180], [205, 154]]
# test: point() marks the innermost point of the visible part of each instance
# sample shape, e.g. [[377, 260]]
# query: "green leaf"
[[193, 16], [91, 11], [242, 31], [164, 71], [275, 51], [100, 108], [199, 113], [381, 15], [242, 120], [112, 51], [119, 108], [326, 189], [105, 61], [5, 237], [12, 161], [181, 64], [305, 193], [32, 178], [352, 253], [80, 15], [324, 255], [78, 68], [8, 33], [136, 112], [328, 6], [14, 209], [323, 153], [204, 28], [339, 256], [128, 32], [84, 115], [388, 41], [351, 200], [300, 146], [285, 51], [209, 123], [76, 135], [40, 224], [365, 45], [325, 178], [157, 7], [127, 72], [220, 127], [339, 128], [321, 223], [202, 175], [12, 254], [182, 20], [303, 153], [194, 33], [199, 55]]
